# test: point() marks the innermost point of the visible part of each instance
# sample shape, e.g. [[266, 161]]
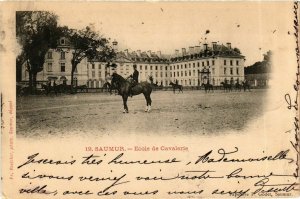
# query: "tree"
[[237, 50], [87, 43], [36, 32]]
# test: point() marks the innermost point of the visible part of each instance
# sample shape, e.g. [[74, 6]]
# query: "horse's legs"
[[125, 97], [148, 102]]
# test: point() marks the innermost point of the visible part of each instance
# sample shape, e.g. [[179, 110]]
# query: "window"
[[231, 62], [49, 55], [150, 67], [174, 67], [146, 67], [207, 62], [237, 62], [184, 65], [99, 67], [166, 68], [99, 74], [141, 67], [194, 65], [161, 74], [62, 67], [155, 67], [224, 62], [181, 73], [170, 74], [177, 74], [93, 66], [213, 62], [198, 64], [237, 71], [190, 73], [181, 66], [174, 74], [93, 74], [161, 67], [193, 72], [62, 55], [177, 66], [185, 73], [231, 71], [225, 71], [62, 41], [213, 71], [189, 65], [49, 67], [203, 63]]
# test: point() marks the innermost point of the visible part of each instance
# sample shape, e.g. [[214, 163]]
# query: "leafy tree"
[[260, 66], [87, 43], [36, 33], [237, 50]]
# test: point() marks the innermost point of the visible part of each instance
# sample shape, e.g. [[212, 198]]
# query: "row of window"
[[181, 66], [231, 62], [62, 67], [231, 71], [62, 55]]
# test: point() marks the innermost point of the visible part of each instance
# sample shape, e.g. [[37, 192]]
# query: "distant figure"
[[135, 79], [176, 82]]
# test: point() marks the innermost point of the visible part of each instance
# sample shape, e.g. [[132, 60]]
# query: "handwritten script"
[[88, 175]]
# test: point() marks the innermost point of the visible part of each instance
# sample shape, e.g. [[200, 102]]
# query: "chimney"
[[149, 53], [159, 53], [205, 46], [191, 50], [214, 45], [138, 52], [197, 49], [115, 45], [183, 52], [228, 45], [176, 53]]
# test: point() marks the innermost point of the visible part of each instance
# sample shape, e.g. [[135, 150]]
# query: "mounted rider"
[[135, 79]]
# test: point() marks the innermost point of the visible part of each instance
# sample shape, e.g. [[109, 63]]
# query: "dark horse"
[[208, 87], [246, 86], [176, 86], [226, 86], [107, 87], [238, 86], [123, 86]]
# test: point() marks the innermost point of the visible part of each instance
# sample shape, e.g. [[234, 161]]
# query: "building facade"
[[210, 63]]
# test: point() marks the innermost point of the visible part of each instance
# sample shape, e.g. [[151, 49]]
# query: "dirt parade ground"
[[191, 112]]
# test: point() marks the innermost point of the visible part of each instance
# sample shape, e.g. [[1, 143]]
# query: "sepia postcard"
[[151, 99]]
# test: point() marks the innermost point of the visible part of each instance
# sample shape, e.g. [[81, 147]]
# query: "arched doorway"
[[63, 80]]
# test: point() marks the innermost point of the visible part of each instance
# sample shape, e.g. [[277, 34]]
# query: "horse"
[[226, 86], [123, 87], [48, 88], [238, 86], [246, 86], [82, 88], [107, 86], [176, 86], [208, 87]]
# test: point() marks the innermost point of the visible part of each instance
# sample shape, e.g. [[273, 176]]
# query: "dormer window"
[[62, 41]]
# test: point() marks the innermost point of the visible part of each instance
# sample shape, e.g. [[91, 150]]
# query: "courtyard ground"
[[193, 112]]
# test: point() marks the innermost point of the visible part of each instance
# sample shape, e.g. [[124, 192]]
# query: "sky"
[[253, 27]]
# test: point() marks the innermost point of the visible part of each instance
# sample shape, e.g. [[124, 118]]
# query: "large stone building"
[[211, 62]]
